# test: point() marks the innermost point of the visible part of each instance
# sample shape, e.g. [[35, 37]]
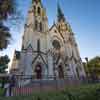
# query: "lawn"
[[86, 92], [2, 92]]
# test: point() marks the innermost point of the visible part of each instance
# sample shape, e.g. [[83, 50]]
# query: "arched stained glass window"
[[36, 25], [40, 26], [39, 11], [34, 9]]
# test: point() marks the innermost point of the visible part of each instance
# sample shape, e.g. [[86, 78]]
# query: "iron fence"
[[26, 85]]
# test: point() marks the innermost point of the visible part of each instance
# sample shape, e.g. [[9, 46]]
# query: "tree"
[[95, 62], [4, 36], [4, 60], [93, 66], [7, 8]]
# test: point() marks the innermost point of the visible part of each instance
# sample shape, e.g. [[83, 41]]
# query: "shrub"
[[87, 92], [2, 92]]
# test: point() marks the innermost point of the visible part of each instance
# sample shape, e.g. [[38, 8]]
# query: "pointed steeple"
[[60, 15], [36, 1], [60, 18]]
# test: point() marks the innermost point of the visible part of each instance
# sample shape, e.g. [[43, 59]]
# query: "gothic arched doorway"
[[60, 72], [38, 71]]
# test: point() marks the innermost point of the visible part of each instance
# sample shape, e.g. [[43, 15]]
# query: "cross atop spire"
[[60, 14]]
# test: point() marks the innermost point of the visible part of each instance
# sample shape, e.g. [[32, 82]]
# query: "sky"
[[83, 16]]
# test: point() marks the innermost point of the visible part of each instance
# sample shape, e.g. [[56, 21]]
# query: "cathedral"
[[47, 52]]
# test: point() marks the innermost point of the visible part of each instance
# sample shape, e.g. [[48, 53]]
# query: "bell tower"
[[40, 18], [36, 25]]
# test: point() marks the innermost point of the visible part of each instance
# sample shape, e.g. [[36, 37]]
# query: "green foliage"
[[7, 8], [2, 91], [95, 62], [4, 60], [88, 92], [92, 66], [4, 36]]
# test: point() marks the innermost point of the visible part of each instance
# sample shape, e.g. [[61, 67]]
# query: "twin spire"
[[36, 1], [61, 17], [60, 14]]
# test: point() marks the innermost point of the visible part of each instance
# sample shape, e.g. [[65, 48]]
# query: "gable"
[[29, 48], [54, 31], [39, 58]]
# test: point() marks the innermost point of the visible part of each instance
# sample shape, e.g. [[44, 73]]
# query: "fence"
[[26, 85], [29, 84]]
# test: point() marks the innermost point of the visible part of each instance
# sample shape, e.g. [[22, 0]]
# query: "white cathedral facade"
[[47, 51]]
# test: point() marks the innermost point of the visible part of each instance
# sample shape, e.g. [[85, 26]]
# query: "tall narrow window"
[[34, 9], [60, 71], [38, 70], [36, 25], [38, 45], [40, 26], [39, 11], [59, 28], [77, 71]]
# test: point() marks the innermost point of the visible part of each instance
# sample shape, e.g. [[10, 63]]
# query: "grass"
[[2, 92], [86, 92]]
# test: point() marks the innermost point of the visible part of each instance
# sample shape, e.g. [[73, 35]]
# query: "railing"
[[26, 85], [45, 78]]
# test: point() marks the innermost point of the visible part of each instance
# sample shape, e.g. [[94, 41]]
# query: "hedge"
[[87, 92]]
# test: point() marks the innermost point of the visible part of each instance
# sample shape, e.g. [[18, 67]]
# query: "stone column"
[[50, 66]]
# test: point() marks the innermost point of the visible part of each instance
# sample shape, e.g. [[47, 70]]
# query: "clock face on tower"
[[56, 44]]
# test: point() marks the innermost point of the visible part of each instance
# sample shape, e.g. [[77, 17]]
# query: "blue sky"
[[83, 16]]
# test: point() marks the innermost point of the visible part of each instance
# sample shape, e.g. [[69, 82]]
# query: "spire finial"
[[60, 14]]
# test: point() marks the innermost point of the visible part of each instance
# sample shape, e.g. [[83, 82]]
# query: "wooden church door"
[[60, 72], [38, 71]]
